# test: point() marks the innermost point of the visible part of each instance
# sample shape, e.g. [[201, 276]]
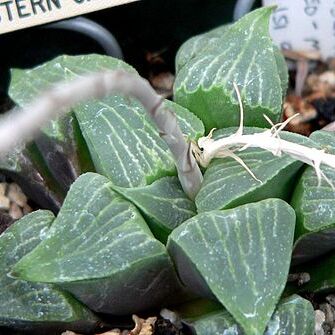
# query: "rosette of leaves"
[[314, 201], [100, 249], [246, 55], [35, 306]]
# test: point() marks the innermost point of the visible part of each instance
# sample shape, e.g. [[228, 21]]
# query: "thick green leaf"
[[197, 44], [163, 203], [237, 255], [228, 184], [27, 305], [122, 140], [293, 316], [245, 55], [124, 143], [315, 207], [100, 249], [216, 323], [312, 245], [61, 144]]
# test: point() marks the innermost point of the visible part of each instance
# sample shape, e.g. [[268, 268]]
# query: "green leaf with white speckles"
[[237, 255], [99, 248], [245, 54], [27, 305], [293, 316], [196, 44], [315, 207], [60, 144], [125, 144], [215, 323], [228, 184], [163, 203], [122, 140]]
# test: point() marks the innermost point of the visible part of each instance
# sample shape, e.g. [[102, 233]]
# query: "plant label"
[[304, 25], [18, 14]]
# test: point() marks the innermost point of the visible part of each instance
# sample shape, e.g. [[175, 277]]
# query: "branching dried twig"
[[269, 140], [266, 140], [22, 125]]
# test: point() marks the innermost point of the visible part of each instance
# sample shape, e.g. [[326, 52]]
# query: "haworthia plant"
[[228, 184], [315, 207], [102, 250], [31, 306], [293, 316], [237, 255], [163, 203], [245, 54]]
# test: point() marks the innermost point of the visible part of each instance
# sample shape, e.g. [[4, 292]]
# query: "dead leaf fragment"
[[143, 327], [16, 195], [15, 211], [306, 111]]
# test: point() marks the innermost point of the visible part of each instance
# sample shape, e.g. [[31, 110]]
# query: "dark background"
[[140, 27]]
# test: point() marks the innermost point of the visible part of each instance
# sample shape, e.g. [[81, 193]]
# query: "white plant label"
[[18, 14], [304, 25]]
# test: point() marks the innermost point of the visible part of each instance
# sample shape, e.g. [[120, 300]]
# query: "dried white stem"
[[267, 140], [22, 125], [208, 148]]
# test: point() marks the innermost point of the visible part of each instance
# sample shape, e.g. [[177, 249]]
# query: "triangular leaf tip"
[[237, 255]]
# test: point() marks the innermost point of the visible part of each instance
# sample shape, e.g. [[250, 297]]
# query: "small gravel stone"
[[3, 187], [319, 320], [4, 203], [331, 299], [15, 211], [329, 313], [16, 195]]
